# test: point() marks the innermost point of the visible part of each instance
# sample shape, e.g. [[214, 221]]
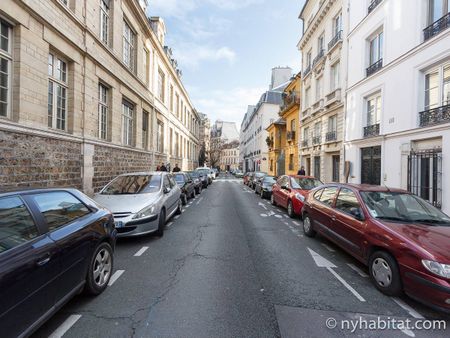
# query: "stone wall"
[[34, 161]]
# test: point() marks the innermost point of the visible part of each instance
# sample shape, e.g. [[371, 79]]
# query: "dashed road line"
[[357, 270], [65, 326], [177, 216], [115, 277], [141, 251], [198, 202], [296, 223], [169, 224], [278, 216], [329, 248], [408, 308]]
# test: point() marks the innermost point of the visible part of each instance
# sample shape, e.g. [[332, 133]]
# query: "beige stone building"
[[322, 110], [229, 159], [88, 91]]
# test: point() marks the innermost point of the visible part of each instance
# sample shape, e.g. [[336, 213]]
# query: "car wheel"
[[184, 199], [179, 208], [290, 209], [385, 274], [272, 200], [161, 223], [308, 226], [100, 269]]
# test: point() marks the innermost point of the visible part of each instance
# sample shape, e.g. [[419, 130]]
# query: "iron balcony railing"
[[437, 27], [375, 67], [435, 116], [305, 143], [335, 40], [289, 100], [331, 136], [318, 57], [372, 130], [317, 139], [307, 70], [373, 5]]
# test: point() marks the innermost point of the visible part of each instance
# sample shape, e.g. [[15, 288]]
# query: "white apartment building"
[[322, 47], [229, 159], [254, 149], [397, 129]]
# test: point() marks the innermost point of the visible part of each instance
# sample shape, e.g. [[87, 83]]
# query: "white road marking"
[[187, 206], [263, 215], [329, 248], [169, 224], [278, 216], [408, 308], [65, 326], [262, 205], [348, 286], [357, 270], [296, 223], [198, 202], [115, 277], [141, 251], [286, 216], [177, 216]]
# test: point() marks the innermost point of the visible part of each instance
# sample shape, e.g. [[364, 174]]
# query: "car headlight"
[[146, 212], [300, 197], [439, 269]]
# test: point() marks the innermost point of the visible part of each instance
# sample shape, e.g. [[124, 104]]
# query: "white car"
[[208, 171]]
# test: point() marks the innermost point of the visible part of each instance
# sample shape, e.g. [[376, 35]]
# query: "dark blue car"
[[54, 243]]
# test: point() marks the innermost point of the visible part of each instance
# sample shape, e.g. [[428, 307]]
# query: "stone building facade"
[[88, 91]]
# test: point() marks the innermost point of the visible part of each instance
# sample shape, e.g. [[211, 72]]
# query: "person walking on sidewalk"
[[163, 167], [176, 168], [301, 172]]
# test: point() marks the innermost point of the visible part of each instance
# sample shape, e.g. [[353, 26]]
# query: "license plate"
[[118, 224]]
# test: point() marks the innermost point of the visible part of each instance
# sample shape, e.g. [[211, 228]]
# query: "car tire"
[[161, 223], [290, 209], [262, 194], [385, 274], [101, 260], [272, 200], [308, 228], [184, 199], [179, 208]]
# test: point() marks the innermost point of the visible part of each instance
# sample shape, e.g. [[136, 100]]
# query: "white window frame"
[[103, 111], [379, 46], [145, 129], [128, 114], [160, 136], [58, 81], [319, 88], [332, 123], [335, 75], [161, 84], [146, 65], [445, 10], [129, 46], [6, 55], [105, 21], [337, 24], [442, 101], [374, 117], [321, 43]]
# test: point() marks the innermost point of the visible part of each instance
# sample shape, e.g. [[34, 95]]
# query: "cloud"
[[192, 55]]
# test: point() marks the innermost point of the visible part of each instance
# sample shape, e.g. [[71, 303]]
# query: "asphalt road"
[[232, 265]]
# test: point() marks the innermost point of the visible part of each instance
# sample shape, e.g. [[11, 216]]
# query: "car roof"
[[367, 187], [301, 176], [33, 190], [144, 173]]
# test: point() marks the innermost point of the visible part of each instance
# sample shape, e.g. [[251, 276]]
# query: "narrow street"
[[231, 265]]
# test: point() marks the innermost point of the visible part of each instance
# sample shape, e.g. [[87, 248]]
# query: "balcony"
[[331, 136], [307, 70], [317, 140], [318, 57], [373, 5], [334, 96], [371, 131], [289, 100], [337, 38], [437, 27], [435, 116], [290, 136], [305, 144], [317, 106], [375, 67]]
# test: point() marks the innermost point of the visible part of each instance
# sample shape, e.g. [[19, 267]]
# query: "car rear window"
[[16, 224], [133, 184], [59, 208]]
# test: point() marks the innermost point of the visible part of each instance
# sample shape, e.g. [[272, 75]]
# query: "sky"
[[227, 48]]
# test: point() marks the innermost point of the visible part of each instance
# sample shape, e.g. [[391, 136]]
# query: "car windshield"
[[269, 180], [194, 174], [133, 184], [259, 175], [305, 183], [179, 178], [403, 207], [203, 171]]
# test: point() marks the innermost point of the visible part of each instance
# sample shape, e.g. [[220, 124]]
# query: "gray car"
[[141, 202]]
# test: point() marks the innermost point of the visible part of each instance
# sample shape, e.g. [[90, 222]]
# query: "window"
[[337, 24], [293, 125], [171, 141], [16, 224], [309, 58], [5, 67], [376, 48], [436, 82], [177, 105], [171, 99], [307, 97], [127, 122], [161, 85], [291, 161], [129, 47], [373, 109], [335, 76], [102, 111], [104, 20], [176, 145], [319, 88], [437, 9], [160, 137], [57, 92], [328, 194], [59, 208], [145, 128], [317, 167], [347, 202], [332, 123], [146, 66], [306, 134], [320, 43], [317, 129]]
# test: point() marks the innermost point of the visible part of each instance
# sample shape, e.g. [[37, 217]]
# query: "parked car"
[[215, 172], [239, 174], [206, 171], [258, 176], [264, 186], [53, 244], [187, 186], [198, 184], [246, 178], [250, 178], [141, 202], [403, 239], [290, 192]]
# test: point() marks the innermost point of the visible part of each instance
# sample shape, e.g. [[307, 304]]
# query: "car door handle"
[[43, 261], [333, 218]]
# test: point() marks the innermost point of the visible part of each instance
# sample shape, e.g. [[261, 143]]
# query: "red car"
[[404, 240], [290, 192]]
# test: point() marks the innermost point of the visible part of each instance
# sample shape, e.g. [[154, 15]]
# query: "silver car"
[[141, 202]]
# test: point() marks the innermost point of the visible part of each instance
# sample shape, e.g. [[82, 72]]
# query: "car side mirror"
[[285, 187], [166, 190], [357, 213]]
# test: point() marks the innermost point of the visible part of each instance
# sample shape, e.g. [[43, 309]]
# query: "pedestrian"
[[302, 172], [163, 167], [158, 168], [176, 168]]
